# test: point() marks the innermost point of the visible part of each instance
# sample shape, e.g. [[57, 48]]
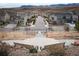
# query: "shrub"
[[4, 50], [33, 50], [2, 23], [77, 25], [33, 16], [34, 21], [67, 29]]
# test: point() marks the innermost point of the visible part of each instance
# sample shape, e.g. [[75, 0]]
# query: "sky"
[[16, 3]]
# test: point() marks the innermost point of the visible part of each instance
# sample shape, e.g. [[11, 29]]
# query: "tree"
[[77, 25]]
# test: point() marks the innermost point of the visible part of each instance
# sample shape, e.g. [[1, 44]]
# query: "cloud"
[[16, 3], [37, 2]]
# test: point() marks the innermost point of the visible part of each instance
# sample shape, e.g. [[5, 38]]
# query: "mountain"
[[52, 6], [66, 5]]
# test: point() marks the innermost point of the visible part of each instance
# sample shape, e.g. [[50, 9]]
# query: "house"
[[13, 17], [10, 26], [60, 18], [75, 18], [4, 16]]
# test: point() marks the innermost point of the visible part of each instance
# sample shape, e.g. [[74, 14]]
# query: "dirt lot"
[[63, 35], [16, 35], [23, 35]]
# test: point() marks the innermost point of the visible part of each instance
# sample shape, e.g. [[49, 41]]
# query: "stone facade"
[[56, 49]]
